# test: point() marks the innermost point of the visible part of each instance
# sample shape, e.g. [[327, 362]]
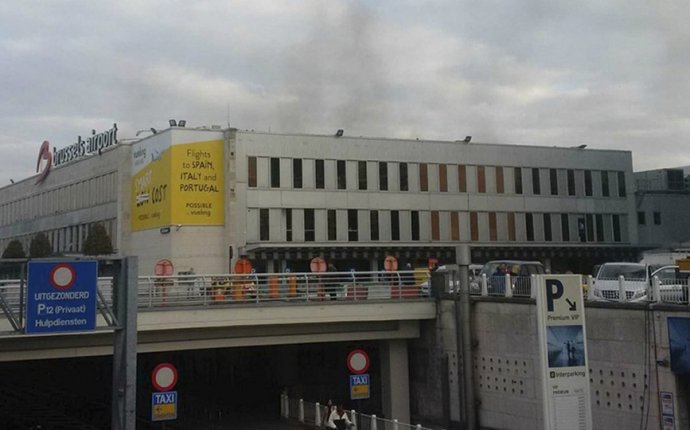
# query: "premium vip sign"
[[563, 348], [61, 296]]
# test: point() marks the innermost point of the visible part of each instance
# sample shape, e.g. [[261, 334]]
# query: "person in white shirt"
[[339, 419]]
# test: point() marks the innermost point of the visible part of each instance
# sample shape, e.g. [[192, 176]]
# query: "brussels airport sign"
[[95, 143]]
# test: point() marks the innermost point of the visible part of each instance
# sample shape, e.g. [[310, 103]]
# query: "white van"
[[637, 278]]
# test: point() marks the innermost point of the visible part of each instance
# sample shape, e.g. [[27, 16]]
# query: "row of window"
[[394, 176], [66, 239], [353, 225], [642, 219], [89, 192]]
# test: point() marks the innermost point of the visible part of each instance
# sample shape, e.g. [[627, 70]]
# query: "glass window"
[[600, 227], [395, 225], [617, 228], [499, 180], [263, 224], [518, 180], [474, 226], [536, 186], [332, 226], [493, 233], [443, 178], [548, 236], [362, 173], [275, 172], [571, 182], [454, 226], [352, 225], [462, 179], [529, 227], [565, 228], [553, 176], [288, 225], [403, 176], [605, 183], [414, 224], [511, 226], [435, 230], [481, 179], [423, 177], [588, 183], [309, 233], [641, 218], [341, 174], [296, 173], [657, 218], [621, 184], [318, 167], [590, 227], [383, 176], [251, 172], [374, 224]]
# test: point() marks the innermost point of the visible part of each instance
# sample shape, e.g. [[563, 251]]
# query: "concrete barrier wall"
[[628, 352]]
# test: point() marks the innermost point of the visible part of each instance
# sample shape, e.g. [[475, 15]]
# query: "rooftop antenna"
[[227, 110]]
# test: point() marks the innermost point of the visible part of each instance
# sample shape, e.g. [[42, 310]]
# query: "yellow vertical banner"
[[197, 182], [151, 189]]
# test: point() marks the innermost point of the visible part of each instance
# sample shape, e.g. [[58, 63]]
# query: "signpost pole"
[[125, 345]]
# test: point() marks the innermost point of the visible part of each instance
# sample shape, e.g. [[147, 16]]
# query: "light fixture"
[[153, 130], [182, 123], [172, 123], [339, 133], [467, 139]]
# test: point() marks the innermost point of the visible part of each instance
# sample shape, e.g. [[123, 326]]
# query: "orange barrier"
[[292, 286], [273, 282]]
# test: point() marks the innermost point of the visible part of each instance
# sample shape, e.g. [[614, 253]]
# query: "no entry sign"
[[358, 361], [164, 377]]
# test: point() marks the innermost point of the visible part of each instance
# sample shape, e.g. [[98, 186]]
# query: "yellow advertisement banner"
[[151, 194], [197, 178]]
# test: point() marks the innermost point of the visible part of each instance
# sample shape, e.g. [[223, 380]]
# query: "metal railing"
[[314, 414]]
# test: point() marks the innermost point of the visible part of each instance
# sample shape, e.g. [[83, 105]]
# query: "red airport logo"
[[44, 155]]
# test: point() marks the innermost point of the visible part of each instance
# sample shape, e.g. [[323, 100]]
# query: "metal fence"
[[315, 414]]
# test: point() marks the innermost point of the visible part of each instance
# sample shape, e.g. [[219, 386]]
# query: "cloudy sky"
[[608, 73]]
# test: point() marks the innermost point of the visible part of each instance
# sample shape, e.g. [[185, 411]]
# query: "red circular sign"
[[243, 266], [358, 361], [390, 264], [164, 268], [63, 276], [164, 377], [317, 264]]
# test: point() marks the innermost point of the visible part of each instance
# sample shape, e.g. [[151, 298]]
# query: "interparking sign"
[[61, 296]]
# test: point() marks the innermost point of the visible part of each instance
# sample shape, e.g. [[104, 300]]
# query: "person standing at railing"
[[339, 419], [498, 278]]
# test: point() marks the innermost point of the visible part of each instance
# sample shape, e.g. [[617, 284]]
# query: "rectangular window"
[[443, 178], [435, 228], [383, 176], [641, 218], [288, 225], [518, 180], [263, 224], [251, 171], [493, 233], [565, 228], [374, 225], [536, 186], [481, 179], [454, 226], [553, 176], [474, 226], [600, 227], [581, 229], [414, 224], [657, 218], [341, 174], [395, 225], [352, 225], [605, 183], [621, 184], [617, 228], [588, 183], [423, 177], [571, 182], [309, 233], [296, 173], [275, 172], [529, 227], [462, 179], [548, 236], [511, 226], [499, 180], [590, 227], [402, 167], [318, 167], [332, 226], [362, 174]]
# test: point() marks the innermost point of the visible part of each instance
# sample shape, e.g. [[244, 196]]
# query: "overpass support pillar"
[[395, 380]]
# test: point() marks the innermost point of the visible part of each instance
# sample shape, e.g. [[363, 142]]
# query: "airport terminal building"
[[203, 197]]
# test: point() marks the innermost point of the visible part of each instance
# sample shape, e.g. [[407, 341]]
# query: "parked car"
[[520, 272], [637, 278]]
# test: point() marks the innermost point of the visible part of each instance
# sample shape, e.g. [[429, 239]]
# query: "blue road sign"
[[61, 296], [164, 406], [359, 386]]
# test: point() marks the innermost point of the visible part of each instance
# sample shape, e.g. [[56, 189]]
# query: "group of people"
[[335, 417]]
